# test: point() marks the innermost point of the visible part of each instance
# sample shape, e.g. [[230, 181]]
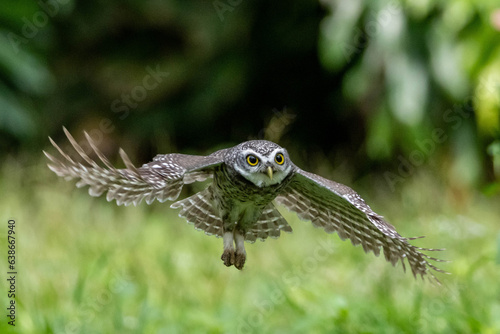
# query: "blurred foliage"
[[362, 78], [413, 67]]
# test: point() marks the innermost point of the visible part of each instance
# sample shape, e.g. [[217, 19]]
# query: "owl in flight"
[[239, 204]]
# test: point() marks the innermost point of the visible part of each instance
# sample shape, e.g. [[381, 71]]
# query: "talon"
[[228, 258], [240, 260]]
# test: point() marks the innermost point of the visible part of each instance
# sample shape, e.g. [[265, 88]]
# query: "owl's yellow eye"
[[279, 158], [252, 160]]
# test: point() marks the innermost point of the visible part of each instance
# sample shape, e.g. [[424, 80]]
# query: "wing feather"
[[269, 224], [198, 210], [337, 208], [161, 179]]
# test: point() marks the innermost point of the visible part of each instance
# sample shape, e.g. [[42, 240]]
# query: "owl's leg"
[[241, 254], [228, 256]]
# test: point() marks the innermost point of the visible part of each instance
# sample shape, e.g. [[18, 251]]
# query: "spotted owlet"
[[239, 204]]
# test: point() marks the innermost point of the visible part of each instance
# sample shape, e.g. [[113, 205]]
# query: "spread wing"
[[337, 208], [161, 179]]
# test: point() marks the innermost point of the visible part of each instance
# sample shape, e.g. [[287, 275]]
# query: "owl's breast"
[[238, 200]]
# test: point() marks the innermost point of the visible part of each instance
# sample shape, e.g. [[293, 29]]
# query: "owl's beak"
[[270, 172]]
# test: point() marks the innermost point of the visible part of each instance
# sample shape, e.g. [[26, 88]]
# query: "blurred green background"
[[398, 99]]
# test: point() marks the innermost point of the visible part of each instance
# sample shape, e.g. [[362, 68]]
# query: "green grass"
[[88, 266]]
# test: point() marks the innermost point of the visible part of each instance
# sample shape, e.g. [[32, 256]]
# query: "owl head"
[[262, 162]]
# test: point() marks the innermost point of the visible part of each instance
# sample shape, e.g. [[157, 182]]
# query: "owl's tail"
[[270, 224]]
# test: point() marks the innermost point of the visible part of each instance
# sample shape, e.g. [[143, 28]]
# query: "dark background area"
[[365, 82]]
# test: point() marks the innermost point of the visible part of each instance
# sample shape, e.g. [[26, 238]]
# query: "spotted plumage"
[[239, 204]]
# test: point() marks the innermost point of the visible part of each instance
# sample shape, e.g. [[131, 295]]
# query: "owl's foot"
[[240, 260], [228, 257], [241, 254]]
